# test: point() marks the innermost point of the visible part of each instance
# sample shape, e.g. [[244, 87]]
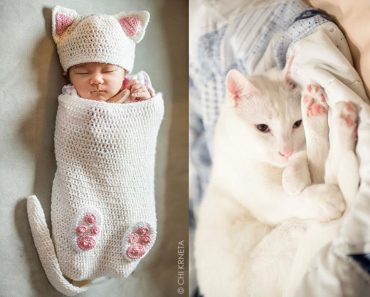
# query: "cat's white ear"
[[288, 81], [238, 87], [62, 19], [134, 24]]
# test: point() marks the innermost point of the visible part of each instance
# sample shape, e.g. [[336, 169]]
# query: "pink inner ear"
[[62, 23], [239, 87], [234, 90], [130, 24]]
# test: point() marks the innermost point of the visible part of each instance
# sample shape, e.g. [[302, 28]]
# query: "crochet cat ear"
[[62, 18], [134, 24], [238, 86]]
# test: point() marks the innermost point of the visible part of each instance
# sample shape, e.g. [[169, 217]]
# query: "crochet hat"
[[97, 38]]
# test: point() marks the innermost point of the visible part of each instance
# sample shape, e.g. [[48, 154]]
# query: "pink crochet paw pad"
[[87, 229], [314, 100], [137, 241]]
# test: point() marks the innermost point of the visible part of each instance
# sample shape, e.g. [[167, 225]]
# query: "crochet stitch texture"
[[103, 207], [105, 159], [97, 38]]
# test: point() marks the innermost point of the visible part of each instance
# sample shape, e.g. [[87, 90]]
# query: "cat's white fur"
[[255, 211], [342, 168]]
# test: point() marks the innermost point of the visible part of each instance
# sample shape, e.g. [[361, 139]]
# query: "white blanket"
[[323, 58], [102, 205]]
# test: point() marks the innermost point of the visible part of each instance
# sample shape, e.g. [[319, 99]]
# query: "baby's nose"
[[97, 78], [287, 152]]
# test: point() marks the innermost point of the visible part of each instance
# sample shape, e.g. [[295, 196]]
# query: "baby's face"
[[97, 81]]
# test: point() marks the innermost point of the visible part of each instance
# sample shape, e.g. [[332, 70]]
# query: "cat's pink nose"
[[286, 152]]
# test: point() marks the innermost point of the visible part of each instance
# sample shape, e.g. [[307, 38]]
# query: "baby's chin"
[[98, 96]]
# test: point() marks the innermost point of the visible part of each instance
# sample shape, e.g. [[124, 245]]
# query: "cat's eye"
[[263, 128], [297, 124]]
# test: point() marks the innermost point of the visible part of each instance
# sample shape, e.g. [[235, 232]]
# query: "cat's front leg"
[[296, 176], [342, 164], [321, 202]]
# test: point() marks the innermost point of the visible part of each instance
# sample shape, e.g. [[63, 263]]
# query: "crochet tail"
[[46, 250]]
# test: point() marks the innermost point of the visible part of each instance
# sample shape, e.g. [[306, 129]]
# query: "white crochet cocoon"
[[102, 206]]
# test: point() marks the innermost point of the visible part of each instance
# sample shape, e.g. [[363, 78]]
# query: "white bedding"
[[323, 58]]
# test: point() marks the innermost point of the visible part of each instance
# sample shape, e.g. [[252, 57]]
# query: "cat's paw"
[[327, 202], [296, 176], [292, 184], [314, 101], [315, 113], [345, 117]]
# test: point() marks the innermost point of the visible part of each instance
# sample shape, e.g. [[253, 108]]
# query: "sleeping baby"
[[102, 205], [108, 82]]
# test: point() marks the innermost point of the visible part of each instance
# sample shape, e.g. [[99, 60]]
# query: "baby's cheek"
[[119, 84], [114, 87], [82, 92]]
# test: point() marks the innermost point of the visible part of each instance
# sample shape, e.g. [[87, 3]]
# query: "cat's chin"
[[280, 162]]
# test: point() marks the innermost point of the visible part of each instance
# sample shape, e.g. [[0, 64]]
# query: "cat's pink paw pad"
[[314, 100], [347, 115], [137, 241]]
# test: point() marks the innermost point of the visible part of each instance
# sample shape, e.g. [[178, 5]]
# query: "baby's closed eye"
[[109, 69], [80, 70]]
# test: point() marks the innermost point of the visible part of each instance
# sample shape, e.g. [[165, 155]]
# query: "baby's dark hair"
[[66, 75]]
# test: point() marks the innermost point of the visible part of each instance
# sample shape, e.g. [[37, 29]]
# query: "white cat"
[[253, 214]]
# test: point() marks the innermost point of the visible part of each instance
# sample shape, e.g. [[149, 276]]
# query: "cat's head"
[[268, 113]]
